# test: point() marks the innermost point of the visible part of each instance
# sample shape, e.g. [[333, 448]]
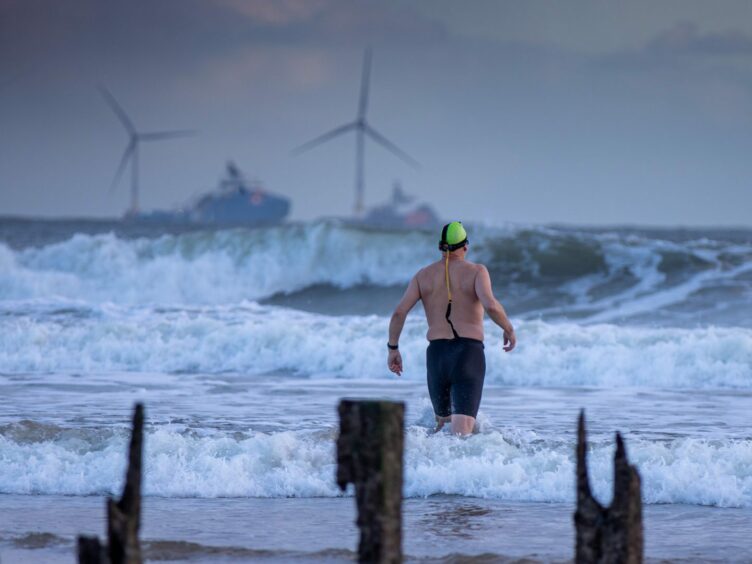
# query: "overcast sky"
[[596, 112]]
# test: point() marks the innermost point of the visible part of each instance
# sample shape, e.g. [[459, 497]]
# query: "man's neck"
[[454, 256]]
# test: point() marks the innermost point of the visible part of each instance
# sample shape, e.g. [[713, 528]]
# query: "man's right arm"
[[411, 297], [493, 308]]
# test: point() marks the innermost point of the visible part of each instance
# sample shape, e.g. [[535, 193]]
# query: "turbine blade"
[[160, 135], [117, 108], [123, 161], [324, 138], [384, 142], [364, 84]]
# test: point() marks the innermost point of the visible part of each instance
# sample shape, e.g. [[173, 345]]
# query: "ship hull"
[[241, 209]]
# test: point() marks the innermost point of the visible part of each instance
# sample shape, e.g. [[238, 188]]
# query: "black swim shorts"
[[456, 370]]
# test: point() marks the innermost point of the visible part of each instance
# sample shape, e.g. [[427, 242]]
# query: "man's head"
[[453, 237]]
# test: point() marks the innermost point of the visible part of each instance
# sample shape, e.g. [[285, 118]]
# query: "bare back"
[[467, 309]]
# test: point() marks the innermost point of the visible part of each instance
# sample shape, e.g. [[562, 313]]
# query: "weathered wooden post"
[[90, 551], [124, 516], [608, 535], [369, 455]]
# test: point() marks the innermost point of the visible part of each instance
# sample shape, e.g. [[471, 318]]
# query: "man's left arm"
[[493, 308], [408, 301]]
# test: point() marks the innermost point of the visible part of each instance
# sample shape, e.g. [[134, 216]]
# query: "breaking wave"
[[589, 276], [499, 464], [215, 267]]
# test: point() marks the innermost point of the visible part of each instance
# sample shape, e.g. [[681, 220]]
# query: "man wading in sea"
[[455, 292]]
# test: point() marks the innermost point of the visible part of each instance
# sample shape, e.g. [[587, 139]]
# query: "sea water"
[[241, 342]]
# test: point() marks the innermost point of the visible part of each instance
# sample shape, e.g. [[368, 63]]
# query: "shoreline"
[[445, 528]]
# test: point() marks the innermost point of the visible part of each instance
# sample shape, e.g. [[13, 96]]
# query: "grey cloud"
[[682, 46], [685, 38], [177, 34]]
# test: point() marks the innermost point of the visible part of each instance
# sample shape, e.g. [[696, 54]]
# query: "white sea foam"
[[494, 464], [253, 339]]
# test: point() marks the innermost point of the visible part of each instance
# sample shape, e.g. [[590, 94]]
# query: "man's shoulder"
[[427, 269], [476, 266]]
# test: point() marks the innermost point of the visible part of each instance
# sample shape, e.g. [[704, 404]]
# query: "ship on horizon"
[[236, 202], [402, 211]]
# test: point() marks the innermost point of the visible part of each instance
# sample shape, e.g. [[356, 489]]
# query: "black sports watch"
[[392, 347]]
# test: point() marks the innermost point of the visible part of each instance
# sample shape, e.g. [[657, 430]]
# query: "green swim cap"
[[453, 236]]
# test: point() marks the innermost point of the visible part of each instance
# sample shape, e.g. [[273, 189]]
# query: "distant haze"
[[579, 112]]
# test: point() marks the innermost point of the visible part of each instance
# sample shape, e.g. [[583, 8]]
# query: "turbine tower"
[[362, 129], [131, 150]]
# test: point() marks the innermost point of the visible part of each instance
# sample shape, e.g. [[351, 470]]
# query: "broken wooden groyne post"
[[90, 551], [124, 516], [608, 535], [369, 456]]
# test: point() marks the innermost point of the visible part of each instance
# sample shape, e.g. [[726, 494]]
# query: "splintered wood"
[[608, 535], [123, 516]]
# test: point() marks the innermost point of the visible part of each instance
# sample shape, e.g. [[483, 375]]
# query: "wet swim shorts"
[[456, 370]]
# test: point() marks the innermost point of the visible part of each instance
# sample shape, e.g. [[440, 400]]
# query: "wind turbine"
[[361, 128], [131, 150]]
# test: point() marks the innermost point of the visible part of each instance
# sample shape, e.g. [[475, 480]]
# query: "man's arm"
[[493, 308], [408, 301]]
